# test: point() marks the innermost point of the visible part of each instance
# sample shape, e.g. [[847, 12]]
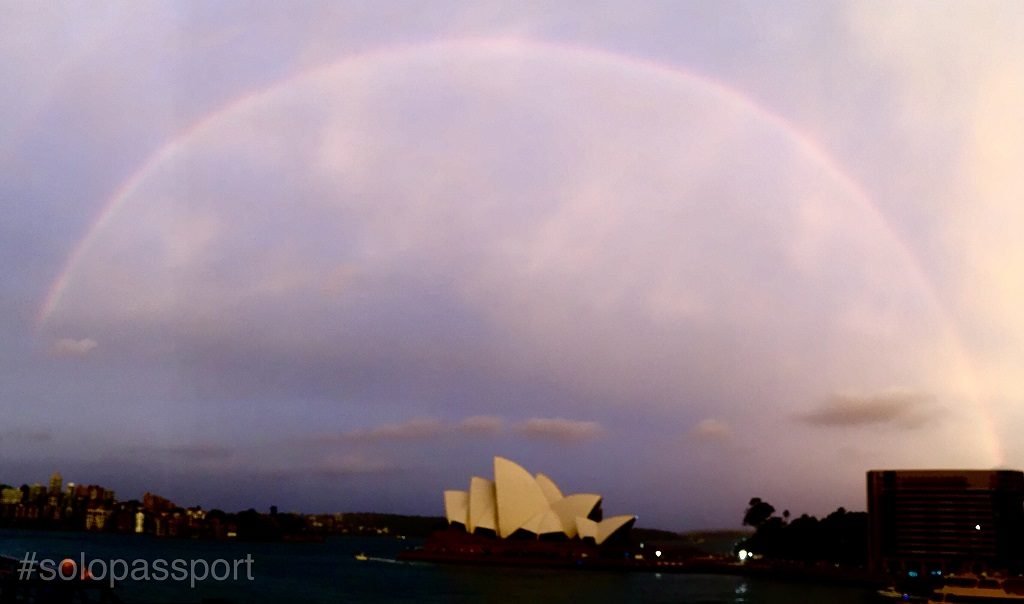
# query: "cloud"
[[421, 428], [560, 430], [712, 430], [193, 452], [350, 464], [481, 424], [74, 348], [413, 429], [900, 408], [424, 429], [248, 460], [26, 436], [196, 457]]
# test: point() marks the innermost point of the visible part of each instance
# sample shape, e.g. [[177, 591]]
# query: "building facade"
[[939, 521]]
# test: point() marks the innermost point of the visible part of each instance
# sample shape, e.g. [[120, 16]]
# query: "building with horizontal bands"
[[937, 521]]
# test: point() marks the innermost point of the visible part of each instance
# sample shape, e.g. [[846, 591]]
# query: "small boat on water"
[[362, 557], [895, 595]]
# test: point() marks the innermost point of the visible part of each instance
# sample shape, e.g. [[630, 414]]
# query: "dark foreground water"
[[329, 573]]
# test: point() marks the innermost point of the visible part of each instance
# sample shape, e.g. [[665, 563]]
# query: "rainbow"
[[522, 47]]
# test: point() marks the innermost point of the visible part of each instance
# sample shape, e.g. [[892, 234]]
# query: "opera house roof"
[[517, 501]]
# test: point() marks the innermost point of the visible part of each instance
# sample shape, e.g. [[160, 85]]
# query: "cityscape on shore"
[[94, 508], [919, 525]]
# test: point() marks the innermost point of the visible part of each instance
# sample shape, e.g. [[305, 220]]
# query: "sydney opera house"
[[517, 503], [521, 518]]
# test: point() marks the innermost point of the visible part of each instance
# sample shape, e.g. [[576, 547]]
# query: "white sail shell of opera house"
[[551, 491], [482, 511], [575, 506], [518, 502], [544, 523], [456, 506], [586, 527], [609, 526], [520, 498]]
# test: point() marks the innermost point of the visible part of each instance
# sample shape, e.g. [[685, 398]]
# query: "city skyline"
[[336, 256]]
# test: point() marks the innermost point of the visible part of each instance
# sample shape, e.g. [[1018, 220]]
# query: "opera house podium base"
[[459, 547]]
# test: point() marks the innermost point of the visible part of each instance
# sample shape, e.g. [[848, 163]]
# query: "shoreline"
[[774, 571]]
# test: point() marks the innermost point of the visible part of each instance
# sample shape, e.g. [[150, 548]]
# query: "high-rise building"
[[55, 483], [931, 521], [37, 494]]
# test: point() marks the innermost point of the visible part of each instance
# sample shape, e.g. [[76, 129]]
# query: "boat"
[[362, 557], [893, 594], [983, 589]]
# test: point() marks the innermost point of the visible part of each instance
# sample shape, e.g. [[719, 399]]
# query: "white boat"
[[891, 593]]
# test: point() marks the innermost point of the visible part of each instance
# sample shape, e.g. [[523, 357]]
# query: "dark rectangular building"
[[926, 521]]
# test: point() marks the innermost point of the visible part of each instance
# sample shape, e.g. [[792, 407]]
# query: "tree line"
[[840, 538]]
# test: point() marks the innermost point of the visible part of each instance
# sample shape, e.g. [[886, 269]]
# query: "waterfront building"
[[155, 503], [56, 481], [53, 500], [10, 496], [37, 494], [938, 521], [96, 519]]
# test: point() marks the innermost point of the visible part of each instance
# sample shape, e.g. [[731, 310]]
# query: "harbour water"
[[328, 572]]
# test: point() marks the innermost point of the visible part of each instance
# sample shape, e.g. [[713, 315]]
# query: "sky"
[[336, 256]]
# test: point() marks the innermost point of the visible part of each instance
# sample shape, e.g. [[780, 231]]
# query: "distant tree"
[[845, 535], [803, 539], [841, 537], [253, 526], [758, 511]]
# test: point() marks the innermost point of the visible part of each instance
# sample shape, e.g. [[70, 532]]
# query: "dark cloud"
[[899, 408]]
